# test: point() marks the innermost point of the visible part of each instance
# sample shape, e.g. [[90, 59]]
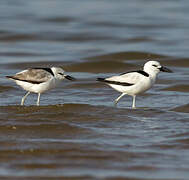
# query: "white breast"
[[141, 86]]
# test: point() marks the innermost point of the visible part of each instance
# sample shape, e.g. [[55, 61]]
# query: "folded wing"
[[35, 76], [126, 79]]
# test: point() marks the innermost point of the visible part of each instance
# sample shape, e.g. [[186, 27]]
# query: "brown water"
[[77, 133]]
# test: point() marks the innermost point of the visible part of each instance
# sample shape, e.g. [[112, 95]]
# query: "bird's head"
[[60, 74], [154, 67]]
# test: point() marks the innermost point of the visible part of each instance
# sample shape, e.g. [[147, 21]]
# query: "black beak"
[[164, 69], [70, 78]]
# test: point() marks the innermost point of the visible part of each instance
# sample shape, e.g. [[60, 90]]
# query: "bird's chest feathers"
[[146, 84], [53, 83]]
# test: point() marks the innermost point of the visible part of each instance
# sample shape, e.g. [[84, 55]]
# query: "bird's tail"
[[9, 77], [12, 78], [101, 79]]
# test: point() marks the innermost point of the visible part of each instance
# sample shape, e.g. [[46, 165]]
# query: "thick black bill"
[[164, 69], [70, 78]]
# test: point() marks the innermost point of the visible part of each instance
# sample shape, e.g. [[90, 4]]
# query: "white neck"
[[153, 74]]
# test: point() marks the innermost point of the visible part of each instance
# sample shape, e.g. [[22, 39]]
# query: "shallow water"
[[77, 133]]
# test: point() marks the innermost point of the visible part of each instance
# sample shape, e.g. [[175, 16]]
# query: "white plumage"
[[39, 80], [135, 82]]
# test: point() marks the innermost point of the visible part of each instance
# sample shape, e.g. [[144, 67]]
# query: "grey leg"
[[23, 99], [116, 101], [38, 99], [134, 100]]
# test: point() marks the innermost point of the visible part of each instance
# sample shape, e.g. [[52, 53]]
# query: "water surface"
[[77, 133]]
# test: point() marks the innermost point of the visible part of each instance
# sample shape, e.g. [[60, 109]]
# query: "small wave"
[[5, 88], [180, 88], [101, 66], [184, 109], [19, 37], [177, 62], [130, 55], [62, 19]]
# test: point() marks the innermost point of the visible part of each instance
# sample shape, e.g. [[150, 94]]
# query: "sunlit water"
[[77, 133]]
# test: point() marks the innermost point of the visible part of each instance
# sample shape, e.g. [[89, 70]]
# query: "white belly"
[[37, 88], [138, 88]]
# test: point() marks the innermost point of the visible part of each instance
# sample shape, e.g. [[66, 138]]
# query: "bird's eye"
[[61, 74], [154, 65]]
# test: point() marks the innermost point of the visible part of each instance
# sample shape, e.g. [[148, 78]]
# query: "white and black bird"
[[135, 82], [39, 80]]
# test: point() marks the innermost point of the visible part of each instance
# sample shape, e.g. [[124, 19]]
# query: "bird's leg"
[[134, 100], [116, 101], [38, 99], [23, 99]]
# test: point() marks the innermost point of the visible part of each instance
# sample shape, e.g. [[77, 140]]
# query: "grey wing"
[[130, 78], [33, 76]]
